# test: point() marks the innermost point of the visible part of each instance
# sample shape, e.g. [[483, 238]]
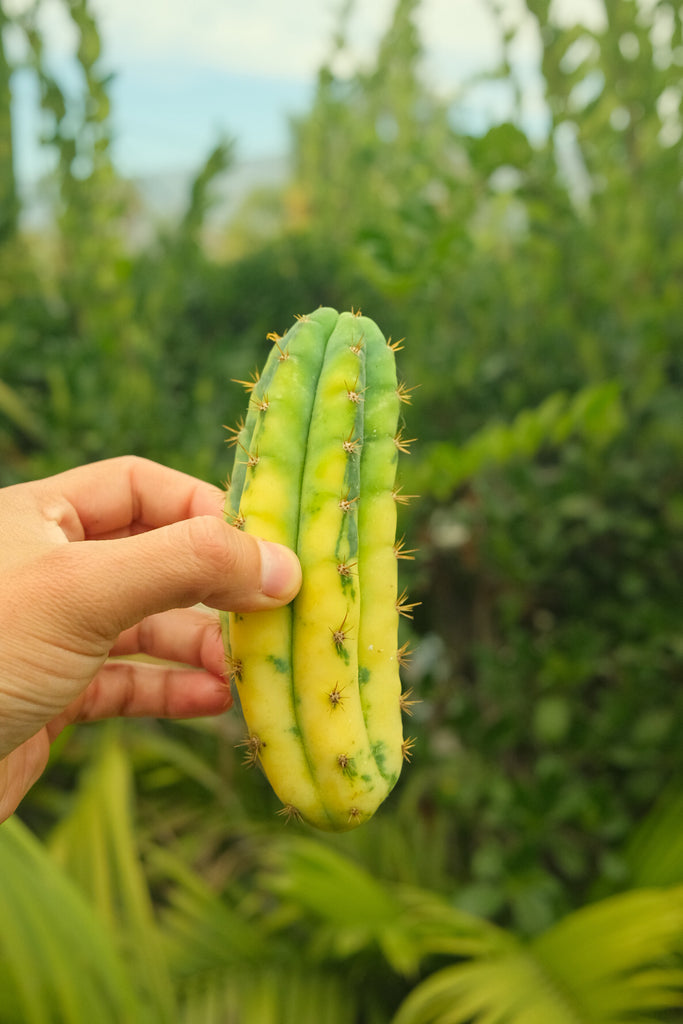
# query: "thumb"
[[115, 583]]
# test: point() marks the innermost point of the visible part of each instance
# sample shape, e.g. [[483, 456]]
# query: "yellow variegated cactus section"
[[315, 469]]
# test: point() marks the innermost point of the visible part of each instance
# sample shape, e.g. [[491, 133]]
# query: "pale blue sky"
[[187, 72]]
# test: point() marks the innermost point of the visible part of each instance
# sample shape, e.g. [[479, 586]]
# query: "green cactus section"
[[380, 687], [315, 469]]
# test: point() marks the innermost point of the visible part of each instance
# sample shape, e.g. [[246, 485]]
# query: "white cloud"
[[284, 39], [291, 39], [260, 37], [185, 69]]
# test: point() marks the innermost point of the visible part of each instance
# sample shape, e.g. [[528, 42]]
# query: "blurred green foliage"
[[535, 270]]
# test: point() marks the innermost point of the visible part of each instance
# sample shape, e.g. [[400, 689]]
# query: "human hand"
[[109, 559]]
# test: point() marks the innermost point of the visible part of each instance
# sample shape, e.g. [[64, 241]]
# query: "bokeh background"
[[500, 184]]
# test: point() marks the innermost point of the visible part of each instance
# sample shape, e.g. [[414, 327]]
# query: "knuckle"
[[230, 562], [215, 544], [127, 465], [131, 462]]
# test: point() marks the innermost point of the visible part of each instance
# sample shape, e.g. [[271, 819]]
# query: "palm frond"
[[58, 961], [655, 852], [235, 959], [606, 952], [270, 994], [95, 843], [612, 962], [508, 989], [207, 932], [356, 912]]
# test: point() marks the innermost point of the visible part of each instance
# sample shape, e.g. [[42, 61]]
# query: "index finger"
[[127, 495]]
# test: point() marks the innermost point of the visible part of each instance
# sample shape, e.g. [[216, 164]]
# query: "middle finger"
[[188, 636]]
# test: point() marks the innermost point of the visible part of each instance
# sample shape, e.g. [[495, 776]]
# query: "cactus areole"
[[315, 469]]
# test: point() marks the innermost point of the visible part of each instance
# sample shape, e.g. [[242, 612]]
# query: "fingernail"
[[280, 571]]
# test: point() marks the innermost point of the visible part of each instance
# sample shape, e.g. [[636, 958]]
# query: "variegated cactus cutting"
[[315, 469]]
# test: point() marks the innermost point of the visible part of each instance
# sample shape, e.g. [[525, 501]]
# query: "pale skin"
[[107, 560]]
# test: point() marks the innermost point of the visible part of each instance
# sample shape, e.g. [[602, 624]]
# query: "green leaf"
[[59, 964], [18, 413], [608, 963], [655, 850], [594, 412], [95, 842], [271, 994], [358, 912], [503, 145]]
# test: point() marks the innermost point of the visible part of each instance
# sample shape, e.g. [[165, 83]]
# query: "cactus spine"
[[315, 469]]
